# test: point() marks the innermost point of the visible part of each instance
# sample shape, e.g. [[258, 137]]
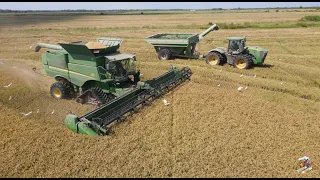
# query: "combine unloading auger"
[[97, 122]]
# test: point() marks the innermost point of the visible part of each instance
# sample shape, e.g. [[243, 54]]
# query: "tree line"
[[131, 10]]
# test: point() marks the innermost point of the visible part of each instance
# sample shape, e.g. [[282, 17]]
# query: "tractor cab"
[[236, 45]]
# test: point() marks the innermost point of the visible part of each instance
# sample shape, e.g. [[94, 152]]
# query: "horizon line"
[[300, 7]]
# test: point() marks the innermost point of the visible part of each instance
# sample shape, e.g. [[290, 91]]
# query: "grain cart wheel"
[[215, 58], [242, 62], [60, 90], [164, 54]]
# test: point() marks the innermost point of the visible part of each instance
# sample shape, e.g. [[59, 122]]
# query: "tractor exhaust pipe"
[[213, 27], [49, 46]]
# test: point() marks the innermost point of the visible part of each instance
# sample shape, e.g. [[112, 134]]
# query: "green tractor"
[[237, 54]]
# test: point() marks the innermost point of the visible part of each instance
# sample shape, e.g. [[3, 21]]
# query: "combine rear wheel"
[[60, 90], [242, 62], [164, 54]]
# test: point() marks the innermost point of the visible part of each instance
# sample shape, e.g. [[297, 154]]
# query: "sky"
[[146, 5]]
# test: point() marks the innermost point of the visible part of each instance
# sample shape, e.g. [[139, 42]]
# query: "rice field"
[[206, 131]]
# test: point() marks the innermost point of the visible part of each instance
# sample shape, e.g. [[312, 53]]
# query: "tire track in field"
[[171, 145], [286, 49], [232, 83]]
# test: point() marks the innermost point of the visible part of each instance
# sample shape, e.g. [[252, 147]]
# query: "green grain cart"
[[97, 73], [169, 46]]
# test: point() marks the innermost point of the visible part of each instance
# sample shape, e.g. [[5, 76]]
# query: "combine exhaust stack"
[[97, 122]]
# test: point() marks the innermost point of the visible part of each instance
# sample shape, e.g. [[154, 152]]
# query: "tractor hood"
[[257, 48], [259, 53]]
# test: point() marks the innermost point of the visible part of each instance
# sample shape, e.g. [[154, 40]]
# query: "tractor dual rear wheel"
[[215, 58], [60, 90], [243, 62]]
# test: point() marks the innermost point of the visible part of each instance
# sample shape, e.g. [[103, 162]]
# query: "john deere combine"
[[97, 73]]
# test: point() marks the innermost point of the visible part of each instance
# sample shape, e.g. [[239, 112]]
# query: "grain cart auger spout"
[[97, 122]]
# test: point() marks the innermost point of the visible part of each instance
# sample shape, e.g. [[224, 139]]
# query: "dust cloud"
[[33, 76]]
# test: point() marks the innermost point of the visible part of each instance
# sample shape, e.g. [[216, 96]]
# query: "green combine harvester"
[[170, 45], [97, 73]]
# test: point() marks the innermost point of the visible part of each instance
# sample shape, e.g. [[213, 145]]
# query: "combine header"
[[97, 73], [97, 122]]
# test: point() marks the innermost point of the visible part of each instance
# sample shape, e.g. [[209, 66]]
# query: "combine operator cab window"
[[129, 64], [121, 68], [116, 69]]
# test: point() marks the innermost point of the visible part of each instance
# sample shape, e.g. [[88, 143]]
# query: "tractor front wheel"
[[243, 62], [60, 90], [164, 54], [215, 58]]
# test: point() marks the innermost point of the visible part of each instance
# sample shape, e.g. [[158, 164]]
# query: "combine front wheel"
[[59, 90]]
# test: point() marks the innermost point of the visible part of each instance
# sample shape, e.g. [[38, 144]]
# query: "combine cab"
[[97, 73]]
